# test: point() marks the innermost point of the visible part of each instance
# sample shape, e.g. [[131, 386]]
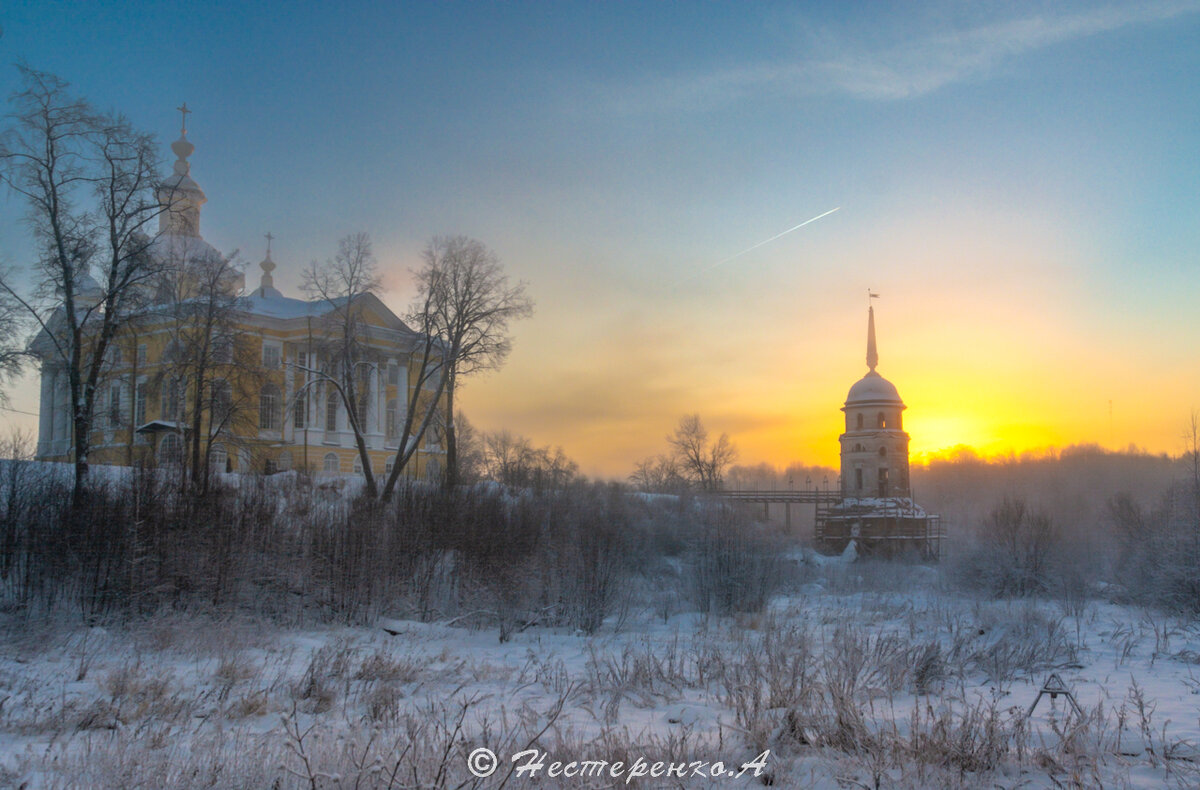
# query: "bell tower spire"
[[872, 353]]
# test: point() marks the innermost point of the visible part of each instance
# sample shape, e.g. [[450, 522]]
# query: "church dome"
[[873, 389]]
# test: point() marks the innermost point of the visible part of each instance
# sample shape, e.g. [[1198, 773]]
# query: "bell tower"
[[874, 447]]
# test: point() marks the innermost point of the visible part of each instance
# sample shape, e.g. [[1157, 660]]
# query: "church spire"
[[267, 286], [872, 354], [180, 196]]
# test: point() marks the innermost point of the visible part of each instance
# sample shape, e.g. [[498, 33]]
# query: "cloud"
[[909, 69]]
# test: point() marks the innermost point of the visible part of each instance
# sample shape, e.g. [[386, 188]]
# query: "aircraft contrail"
[[756, 246]]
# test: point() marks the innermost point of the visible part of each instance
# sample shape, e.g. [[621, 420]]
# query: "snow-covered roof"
[[155, 426], [895, 506], [270, 302]]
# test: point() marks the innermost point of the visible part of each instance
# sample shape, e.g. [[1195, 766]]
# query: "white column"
[[287, 429], [46, 410]]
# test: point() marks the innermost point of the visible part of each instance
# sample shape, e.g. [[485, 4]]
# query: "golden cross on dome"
[[268, 237], [183, 109]]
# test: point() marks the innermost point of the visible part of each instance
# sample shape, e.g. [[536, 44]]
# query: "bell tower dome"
[[180, 196], [874, 448]]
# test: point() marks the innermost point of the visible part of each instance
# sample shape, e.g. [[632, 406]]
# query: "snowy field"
[[864, 675]]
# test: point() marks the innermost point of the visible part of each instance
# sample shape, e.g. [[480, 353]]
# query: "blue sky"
[[1018, 180]]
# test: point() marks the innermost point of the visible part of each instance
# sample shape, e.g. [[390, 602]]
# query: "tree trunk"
[[450, 479], [81, 462], [197, 419]]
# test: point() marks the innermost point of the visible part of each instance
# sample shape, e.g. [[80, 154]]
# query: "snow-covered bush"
[[1016, 552], [736, 564]]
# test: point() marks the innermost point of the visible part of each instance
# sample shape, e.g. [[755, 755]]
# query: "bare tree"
[[512, 460], [12, 321], [88, 179], [461, 314], [1019, 546], [658, 474], [470, 450], [702, 464], [1192, 457], [472, 306], [344, 348], [208, 361]]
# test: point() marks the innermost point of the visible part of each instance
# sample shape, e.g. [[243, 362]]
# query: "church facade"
[[263, 405]]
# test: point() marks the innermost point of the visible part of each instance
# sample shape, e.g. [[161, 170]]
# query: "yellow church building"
[[265, 406]]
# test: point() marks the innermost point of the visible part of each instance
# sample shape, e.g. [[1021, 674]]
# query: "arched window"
[[285, 460], [882, 420], [882, 452], [357, 465], [170, 450], [331, 410], [858, 448], [268, 408], [331, 463], [218, 458], [860, 422]]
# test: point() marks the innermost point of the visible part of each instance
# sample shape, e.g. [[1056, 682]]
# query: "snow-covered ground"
[[865, 676]]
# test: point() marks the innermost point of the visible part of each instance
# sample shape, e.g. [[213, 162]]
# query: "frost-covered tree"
[[88, 180], [344, 342], [702, 463]]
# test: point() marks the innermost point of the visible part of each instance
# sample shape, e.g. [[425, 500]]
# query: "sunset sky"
[[1019, 181]]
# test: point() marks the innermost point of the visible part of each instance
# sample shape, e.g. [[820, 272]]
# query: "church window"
[[393, 374], [114, 405], [222, 401], [218, 458], [883, 481], [223, 350], [300, 411], [883, 452], [330, 463], [141, 354], [285, 461], [860, 422], [268, 408], [392, 428], [170, 450], [881, 420], [270, 356], [858, 479], [331, 410], [358, 467], [139, 404], [172, 397], [363, 404]]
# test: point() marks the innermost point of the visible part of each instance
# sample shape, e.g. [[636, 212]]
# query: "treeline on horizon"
[[962, 484]]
